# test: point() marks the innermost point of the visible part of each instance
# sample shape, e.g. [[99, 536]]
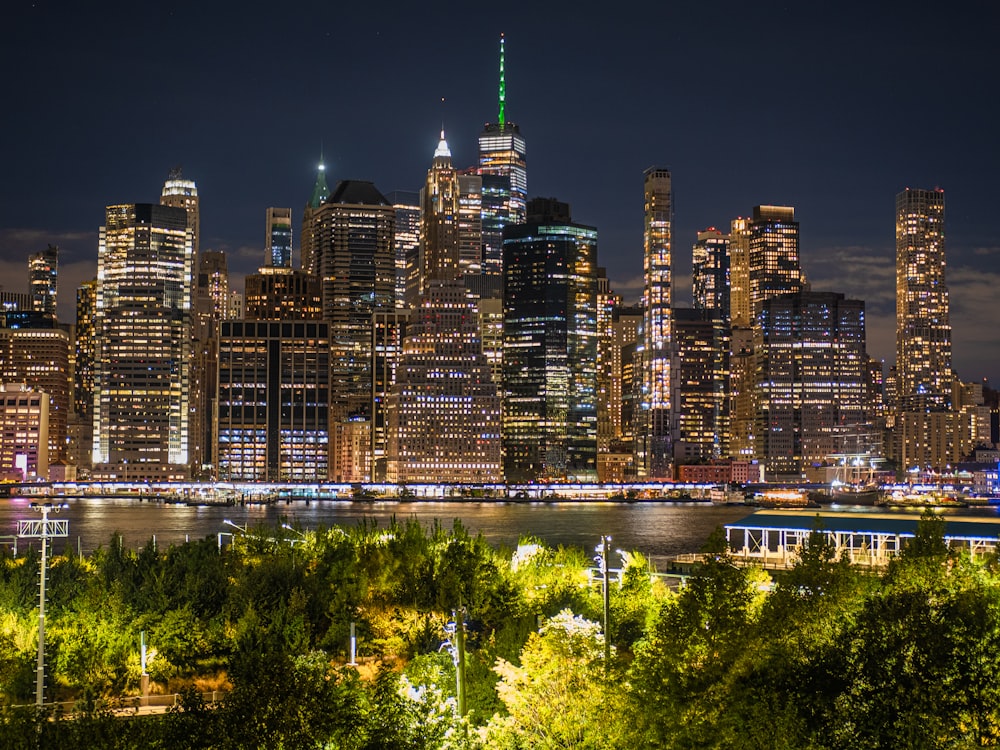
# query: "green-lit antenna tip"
[[502, 117]]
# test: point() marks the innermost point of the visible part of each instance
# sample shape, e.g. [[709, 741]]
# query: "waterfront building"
[[503, 168], [654, 457], [444, 408], [181, 193], [811, 381], [37, 355], [273, 400], [24, 427], [43, 275], [700, 372], [626, 387], [406, 244], [550, 347], [923, 329], [278, 238], [143, 333], [353, 255], [710, 272]]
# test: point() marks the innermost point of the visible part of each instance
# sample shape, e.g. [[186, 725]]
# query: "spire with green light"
[[320, 190], [502, 119]]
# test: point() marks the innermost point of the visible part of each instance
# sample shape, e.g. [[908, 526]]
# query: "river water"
[[657, 529]]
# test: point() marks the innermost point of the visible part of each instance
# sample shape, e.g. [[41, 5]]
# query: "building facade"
[[143, 334], [550, 347], [710, 272], [24, 438], [278, 237], [43, 277]]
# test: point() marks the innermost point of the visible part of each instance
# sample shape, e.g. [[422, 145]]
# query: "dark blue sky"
[[830, 107]]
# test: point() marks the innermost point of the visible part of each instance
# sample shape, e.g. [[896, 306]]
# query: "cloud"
[[630, 289], [18, 243], [986, 251]]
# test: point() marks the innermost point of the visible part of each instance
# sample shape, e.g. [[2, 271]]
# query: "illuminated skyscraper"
[[710, 272], [406, 244], [550, 347], [86, 309], [279, 293], [353, 255], [143, 329], [654, 458], [444, 409], [210, 291], [503, 167], [700, 372], [439, 218], [739, 273], [773, 254], [43, 274], [320, 193], [181, 193], [812, 380], [278, 238], [24, 428], [923, 330]]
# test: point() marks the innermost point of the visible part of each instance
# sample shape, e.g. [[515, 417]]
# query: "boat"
[[783, 498], [934, 498], [854, 481]]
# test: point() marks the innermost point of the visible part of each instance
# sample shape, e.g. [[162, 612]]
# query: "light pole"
[[241, 529], [603, 553], [302, 537], [42, 529]]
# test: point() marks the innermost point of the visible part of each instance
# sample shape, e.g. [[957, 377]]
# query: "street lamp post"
[[603, 554], [43, 529]]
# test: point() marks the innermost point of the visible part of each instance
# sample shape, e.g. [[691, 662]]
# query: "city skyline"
[[829, 121]]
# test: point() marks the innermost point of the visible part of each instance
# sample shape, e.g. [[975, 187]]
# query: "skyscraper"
[[700, 373], [86, 309], [654, 448], [43, 274], [278, 238], [317, 198], [923, 330], [710, 272], [439, 218], [406, 244], [209, 308], [143, 330], [503, 167], [353, 254], [773, 254], [550, 347], [180, 193]]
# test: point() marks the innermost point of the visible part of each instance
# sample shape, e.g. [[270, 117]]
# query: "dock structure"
[[773, 538]]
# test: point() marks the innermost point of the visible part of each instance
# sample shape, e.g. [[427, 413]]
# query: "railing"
[[129, 704]]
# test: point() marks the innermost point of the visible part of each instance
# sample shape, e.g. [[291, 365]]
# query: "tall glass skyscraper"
[[278, 238], [773, 254], [143, 332], [710, 272], [923, 328], [550, 347], [181, 193], [654, 449], [43, 275], [504, 169]]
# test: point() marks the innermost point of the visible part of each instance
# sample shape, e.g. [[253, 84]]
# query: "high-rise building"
[[278, 238], [654, 450], [143, 329], [273, 400], [24, 425], [607, 303], [406, 244], [503, 167], [739, 272], [700, 372], [710, 272], [43, 274], [210, 291], [811, 380], [470, 229], [444, 409], [320, 193], [85, 344], [923, 330], [38, 356], [550, 347], [773, 255], [353, 255], [180, 193], [439, 219], [280, 293]]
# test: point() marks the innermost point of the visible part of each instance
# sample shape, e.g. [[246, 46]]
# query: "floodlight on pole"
[[44, 529], [242, 529]]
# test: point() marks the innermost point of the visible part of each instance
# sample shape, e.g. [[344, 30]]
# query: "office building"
[[38, 356], [317, 198], [550, 347], [739, 272], [923, 329], [280, 293], [143, 331], [710, 272], [811, 381], [273, 401], [654, 450], [439, 219], [278, 238], [700, 372], [406, 244], [773, 253], [353, 255], [43, 275], [24, 439], [85, 345], [503, 167], [444, 408], [180, 193]]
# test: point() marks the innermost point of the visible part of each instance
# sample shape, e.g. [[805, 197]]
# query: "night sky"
[[830, 107]]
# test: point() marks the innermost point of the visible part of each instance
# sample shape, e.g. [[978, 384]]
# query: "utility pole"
[[603, 554], [42, 529]]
